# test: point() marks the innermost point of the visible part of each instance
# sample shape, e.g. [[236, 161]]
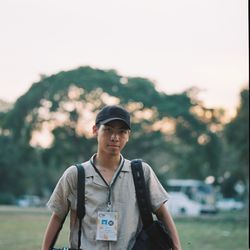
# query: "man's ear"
[[129, 133], [95, 130]]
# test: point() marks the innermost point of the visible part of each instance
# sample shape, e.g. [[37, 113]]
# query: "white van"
[[190, 197]]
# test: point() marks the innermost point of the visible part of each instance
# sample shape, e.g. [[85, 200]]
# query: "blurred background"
[[180, 68]]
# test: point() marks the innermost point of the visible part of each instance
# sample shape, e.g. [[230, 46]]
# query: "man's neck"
[[110, 162]]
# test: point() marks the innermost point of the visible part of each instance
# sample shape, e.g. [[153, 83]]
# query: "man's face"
[[112, 137]]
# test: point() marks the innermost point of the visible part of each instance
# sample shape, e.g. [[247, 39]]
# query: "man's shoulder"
[[72, 170], [145, 166], [88, 168]]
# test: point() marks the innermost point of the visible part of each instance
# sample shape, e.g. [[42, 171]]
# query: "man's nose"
[[114, 135]]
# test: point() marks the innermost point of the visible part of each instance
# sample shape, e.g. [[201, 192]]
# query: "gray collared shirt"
[[123, 201]]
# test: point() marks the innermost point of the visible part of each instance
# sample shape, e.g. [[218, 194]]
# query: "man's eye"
[[123, 131], [108, 129]]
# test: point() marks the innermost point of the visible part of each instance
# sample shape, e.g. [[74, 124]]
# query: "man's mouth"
[[113, 146]]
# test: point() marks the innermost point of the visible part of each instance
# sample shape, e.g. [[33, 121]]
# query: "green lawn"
[[22, 229], [216, 232]]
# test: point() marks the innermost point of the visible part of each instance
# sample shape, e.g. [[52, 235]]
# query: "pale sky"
[[177, 44]]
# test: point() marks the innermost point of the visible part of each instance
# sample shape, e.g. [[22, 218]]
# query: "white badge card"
[[107, 226]]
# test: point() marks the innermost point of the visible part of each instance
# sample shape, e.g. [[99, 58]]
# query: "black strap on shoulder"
[[80, 199], [142, 193]]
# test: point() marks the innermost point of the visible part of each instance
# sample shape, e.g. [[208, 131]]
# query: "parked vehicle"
[[180, 204], [191, 197], [29, 201], [229, 204]]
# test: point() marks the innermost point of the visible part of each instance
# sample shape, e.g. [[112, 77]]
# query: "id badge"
[[107, 226]]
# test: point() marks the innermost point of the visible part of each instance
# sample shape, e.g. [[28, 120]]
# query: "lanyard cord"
[[109, 186]]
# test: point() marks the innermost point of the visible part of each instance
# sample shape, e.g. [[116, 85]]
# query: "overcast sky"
[[177, 44]]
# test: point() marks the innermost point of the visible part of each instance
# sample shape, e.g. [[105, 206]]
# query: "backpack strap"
[[80, 199], [142, 193]]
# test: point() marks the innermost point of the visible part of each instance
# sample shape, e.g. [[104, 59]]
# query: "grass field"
[[22, 229]]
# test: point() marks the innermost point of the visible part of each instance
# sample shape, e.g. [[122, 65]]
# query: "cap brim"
[[115, 119]]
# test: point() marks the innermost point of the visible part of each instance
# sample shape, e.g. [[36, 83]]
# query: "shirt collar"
[[90, 171]]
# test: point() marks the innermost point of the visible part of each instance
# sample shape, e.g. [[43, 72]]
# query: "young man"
[[109, 192]]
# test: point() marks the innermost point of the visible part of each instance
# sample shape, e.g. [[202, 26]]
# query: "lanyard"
[[109, 186]]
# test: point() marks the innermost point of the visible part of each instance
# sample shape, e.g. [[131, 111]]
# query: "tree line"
[[49, 129]]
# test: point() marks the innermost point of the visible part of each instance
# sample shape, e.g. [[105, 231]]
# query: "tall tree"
[[237, 136], [51, 124]]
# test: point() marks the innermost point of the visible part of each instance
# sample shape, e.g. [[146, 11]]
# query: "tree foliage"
[[237, 131], [237, 141], [49, 128]]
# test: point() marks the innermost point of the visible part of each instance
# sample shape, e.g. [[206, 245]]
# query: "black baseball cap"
[[113, 112]]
